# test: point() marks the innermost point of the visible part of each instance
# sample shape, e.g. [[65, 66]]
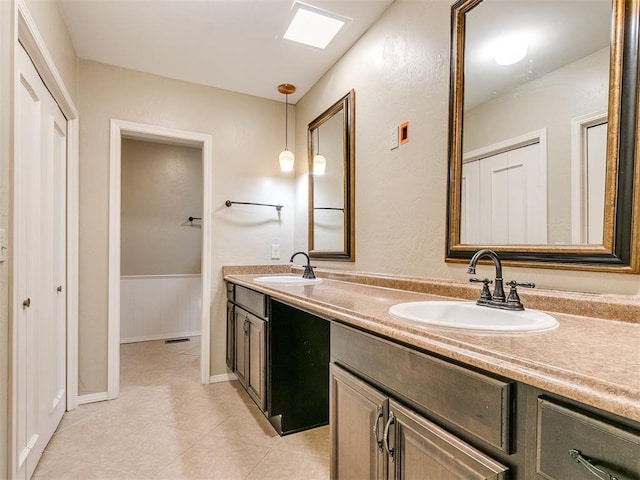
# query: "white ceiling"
[[235, 45]]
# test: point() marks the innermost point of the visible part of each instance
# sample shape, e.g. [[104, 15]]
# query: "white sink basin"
[[285, 280], [469, 316]]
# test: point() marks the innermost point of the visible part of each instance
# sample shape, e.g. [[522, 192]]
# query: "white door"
[[588, 172], [40, 274], [504, 199], [596, 172]]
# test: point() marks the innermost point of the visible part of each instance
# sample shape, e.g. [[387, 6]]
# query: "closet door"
[[40, 273]]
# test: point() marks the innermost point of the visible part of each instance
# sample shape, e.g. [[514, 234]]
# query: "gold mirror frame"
[[346, 107], [619, 251]]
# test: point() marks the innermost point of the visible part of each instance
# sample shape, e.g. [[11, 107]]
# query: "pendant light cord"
[[286, 121]]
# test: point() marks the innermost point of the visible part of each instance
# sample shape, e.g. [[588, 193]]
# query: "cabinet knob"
[[59, 289], [26, 303]]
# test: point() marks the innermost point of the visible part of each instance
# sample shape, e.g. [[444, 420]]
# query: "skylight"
[[310, 27]]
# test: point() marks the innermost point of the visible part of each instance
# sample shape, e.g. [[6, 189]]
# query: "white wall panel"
[[159, 306]]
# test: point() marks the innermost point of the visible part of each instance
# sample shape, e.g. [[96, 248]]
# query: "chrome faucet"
[[497, 299], [308, 269]]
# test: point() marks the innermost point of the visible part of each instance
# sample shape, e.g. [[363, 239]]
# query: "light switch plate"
[[393, 139], [275, 252]]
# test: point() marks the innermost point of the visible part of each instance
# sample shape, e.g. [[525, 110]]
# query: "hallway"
[[165, 424]]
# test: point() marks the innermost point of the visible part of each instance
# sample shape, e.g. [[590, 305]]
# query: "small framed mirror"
[[331, 153], [542, 145]]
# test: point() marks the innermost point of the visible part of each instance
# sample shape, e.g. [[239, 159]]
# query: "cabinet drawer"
[[253, 301], [476, 403], [608, 447]]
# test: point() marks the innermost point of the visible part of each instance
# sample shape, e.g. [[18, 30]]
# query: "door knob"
[[59, 289], [26, 303]]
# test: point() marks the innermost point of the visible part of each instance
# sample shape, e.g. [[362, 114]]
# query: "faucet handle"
[[485, 294], [308, 272], [514, 284], [514, 299]]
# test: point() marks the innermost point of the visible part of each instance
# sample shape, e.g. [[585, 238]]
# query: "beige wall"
[[48, 20], [400, 71], [161, 188], [247, 138], [47, 16]]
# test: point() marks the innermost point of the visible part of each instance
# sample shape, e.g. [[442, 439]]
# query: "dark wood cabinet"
[[410, 415], [375, 437], [231, 337], [581, 445], [251, 354], [356, 422]]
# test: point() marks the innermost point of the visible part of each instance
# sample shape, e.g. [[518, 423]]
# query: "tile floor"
[[166, 425]]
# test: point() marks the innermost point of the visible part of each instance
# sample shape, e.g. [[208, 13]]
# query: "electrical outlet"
[[275, 252]]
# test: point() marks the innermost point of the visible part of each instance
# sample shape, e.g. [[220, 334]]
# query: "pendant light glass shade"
[[286, 158], [319, 164]]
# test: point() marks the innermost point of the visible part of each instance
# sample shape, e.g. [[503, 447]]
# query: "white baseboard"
[[92, 398], [148, 338], [225, 377]]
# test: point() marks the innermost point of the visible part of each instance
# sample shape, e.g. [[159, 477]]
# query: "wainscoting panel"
[[154, 307]]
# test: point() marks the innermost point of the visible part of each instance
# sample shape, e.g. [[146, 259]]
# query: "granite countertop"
[[590, 360]]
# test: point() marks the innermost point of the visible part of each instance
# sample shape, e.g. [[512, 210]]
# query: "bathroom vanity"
[[431, 415], [407, 398]]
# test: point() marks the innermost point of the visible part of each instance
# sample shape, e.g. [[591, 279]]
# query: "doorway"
[[125, 131]]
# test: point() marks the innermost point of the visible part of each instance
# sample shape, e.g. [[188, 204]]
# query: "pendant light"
[[286, 156], [319, 162]]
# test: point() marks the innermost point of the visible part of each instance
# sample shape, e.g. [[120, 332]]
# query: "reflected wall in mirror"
[[542, 137], [331, 152]]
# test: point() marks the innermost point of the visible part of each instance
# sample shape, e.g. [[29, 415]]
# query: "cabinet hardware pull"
[[385, 435], [595, 471], [26, 303], [376, 424], [59, 289], [246, 325]]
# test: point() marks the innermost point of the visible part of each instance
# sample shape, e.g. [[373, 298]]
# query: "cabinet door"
[[231, 338], [356, 414], [240, 327], [419, 449], [256, 364]]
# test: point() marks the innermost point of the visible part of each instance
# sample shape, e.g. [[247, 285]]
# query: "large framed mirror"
[[543, 128], [331, 152]]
